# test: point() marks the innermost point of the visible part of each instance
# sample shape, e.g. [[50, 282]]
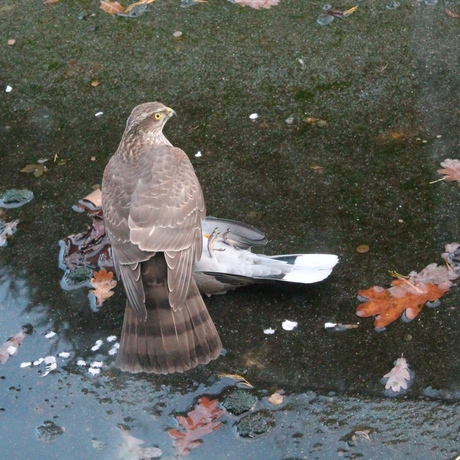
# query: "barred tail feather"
[[167, 341]]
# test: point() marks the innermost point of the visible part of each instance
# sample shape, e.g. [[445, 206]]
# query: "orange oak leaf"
[[387, 305], [103, 282], [199, 422]]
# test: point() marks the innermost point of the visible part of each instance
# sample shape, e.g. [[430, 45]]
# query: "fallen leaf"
[[112, 7], [363, 434], [317, 169], [133, 5], [450, 170], [103, 282], [240, 379], [315, 121], [342, 13], [257, 4], [50, 2], [452, 14], [10, 347], [6, 230], [362, 249], [406, 296], [134, 451], [37, 170], [398, 380], [276, 398], [199, 422]]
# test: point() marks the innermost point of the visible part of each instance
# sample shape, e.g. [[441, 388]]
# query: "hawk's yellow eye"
[[157, 115]]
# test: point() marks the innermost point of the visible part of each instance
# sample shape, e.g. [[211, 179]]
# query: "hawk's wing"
[[154, 204]]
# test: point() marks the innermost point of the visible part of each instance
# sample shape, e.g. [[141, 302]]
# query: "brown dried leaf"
[[133, 5], [314, 121], [37, 170], [112, 7], [276, 398], [452, 14], [103, 282]]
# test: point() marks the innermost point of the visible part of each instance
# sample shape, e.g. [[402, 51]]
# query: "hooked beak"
[[169, 112]]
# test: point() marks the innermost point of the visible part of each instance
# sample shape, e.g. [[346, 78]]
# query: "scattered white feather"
[[26, 364], [111, 338], [198, 154], [94, 370], [269, 331], [254, 116], [311, 268], [97, 364], [114, 349], [399, 379], [97, 345], [12, 350], [50, 334], [50, 365], [38, 361], [64, 354], [289, 325], [98, 114], [8, 89], [81, 362]]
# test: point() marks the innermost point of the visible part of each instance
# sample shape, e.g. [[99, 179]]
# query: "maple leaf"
[[406, 296], [103, 282], [451, 170], [199, 422], [10, 347]]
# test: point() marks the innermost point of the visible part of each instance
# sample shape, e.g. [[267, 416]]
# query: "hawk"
[[153, 209]]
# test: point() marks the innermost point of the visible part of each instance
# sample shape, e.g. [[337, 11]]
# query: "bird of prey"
[[153, 209]]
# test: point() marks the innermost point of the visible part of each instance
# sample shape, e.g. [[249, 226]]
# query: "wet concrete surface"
[[386, 81]]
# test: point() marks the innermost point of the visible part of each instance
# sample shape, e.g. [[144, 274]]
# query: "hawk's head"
[[149, 118]]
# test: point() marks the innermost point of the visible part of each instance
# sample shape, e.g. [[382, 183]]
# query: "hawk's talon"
[[213, 237]]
